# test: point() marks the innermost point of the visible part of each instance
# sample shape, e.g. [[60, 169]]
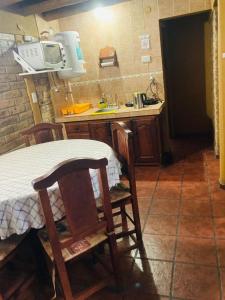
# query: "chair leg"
[[114, 259], [137, 222], [123, 217]]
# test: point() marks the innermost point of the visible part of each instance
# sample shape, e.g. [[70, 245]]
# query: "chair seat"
[[116, 196], [77, 247], [9, 245]]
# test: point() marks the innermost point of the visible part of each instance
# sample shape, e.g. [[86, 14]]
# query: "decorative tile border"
[[88, 82]]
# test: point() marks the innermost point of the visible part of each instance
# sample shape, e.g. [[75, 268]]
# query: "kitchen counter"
[[123, 112]]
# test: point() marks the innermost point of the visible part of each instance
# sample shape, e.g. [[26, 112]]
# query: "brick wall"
[[43, 94], [15, 109]]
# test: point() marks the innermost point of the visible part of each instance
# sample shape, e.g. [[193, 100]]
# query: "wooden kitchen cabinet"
[[147, 143], [77, 130], [147, 140], [100, 131]]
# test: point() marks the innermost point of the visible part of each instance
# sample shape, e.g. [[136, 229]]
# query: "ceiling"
[[49, 9]]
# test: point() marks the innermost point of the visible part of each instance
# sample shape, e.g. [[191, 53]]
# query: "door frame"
[[162, 23]]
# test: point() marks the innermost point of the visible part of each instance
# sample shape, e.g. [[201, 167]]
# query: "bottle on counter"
[[103, 102]]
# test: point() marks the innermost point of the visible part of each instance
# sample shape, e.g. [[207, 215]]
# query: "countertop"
[[123, 112]]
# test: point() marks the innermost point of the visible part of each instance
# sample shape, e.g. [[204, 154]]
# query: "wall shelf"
[[43, 71]]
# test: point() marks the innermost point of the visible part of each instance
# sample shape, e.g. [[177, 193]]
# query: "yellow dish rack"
[[77, 108]]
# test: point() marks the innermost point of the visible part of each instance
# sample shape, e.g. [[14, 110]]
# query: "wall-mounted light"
[[103, 13]]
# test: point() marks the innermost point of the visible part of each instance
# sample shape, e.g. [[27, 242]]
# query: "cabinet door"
[[100, 131], [147, 140], [77, 130]]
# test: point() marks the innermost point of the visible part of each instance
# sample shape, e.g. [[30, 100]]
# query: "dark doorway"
[[183, 41]]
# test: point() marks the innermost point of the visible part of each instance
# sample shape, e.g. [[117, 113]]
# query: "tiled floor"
[[183, 218]]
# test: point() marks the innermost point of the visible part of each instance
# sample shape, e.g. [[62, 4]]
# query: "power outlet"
[[146, 59]]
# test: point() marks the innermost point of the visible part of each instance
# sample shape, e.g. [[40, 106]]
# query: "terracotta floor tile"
[[222, 274], [149, 173], [169, 184], [196, 282], [196, 207], [196, 250], [220, 227], [195, 170], [170, 177], [161, 225], [145, 189], [150, 277], [213, 165], [201, 178], [221, 252], [171, 173], [168, 190], [144, 204], [209, 154], [214, 185], [191, 190], [195, 157], [193, 226], [192, 159], [165, 207], [218, 195], [157, 247], [218, 207]]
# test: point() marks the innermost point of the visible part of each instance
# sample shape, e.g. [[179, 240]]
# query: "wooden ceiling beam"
[[45, 6], [5, 3], [76, 9]]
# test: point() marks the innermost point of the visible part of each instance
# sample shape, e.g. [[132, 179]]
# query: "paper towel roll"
[[107, 64]]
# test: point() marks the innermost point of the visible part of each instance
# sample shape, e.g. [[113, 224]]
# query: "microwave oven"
[[43, 55]]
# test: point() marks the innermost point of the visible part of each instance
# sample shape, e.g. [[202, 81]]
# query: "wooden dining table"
[[20, 208]]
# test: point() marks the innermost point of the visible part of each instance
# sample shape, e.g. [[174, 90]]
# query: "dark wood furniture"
[[15, 281], [42, 133], [146, 140], [84, 229], [146, 130], [123, 144], [101, 131]]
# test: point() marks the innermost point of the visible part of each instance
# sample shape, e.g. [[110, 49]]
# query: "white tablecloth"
[[20, 207]]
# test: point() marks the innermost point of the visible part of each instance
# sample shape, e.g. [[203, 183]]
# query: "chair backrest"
[[122, 138], [76, 190], [43, 133], [81, 214]]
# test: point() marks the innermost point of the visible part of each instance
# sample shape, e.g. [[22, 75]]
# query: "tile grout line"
[[180, 262], [214, 231], [147, 214], [151, 200], [176, 240]]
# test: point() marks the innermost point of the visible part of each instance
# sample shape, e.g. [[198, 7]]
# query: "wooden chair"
[[123, 146], [43, 133], [15, 281], [82, 229]]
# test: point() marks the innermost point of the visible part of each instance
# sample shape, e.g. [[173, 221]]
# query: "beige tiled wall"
[[127, 21]]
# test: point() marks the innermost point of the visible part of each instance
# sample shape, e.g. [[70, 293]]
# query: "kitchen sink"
[[106, 110]]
